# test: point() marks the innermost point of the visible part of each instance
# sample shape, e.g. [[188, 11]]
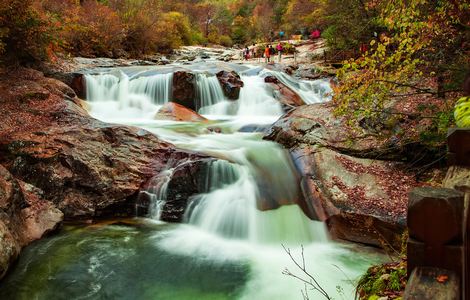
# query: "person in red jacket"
[[267, 54]]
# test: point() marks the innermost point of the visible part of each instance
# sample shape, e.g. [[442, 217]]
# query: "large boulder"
[[175, 112], [317, 124], [231, 84], [175, 187], [285, 95], [361, 200], [184, 89], [355, 180], [25, 216], [84, 166]]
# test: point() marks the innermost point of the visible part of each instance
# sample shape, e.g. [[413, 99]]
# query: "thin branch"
[[312, 281], [428, 91]]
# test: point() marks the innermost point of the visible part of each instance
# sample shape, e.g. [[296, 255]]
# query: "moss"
[[383, 280]]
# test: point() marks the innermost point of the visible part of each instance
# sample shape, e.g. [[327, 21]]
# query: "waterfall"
[[256, 99], [118, 96], [103, 87], [230, 244], [209, 94], [315, 91], [109, 87], [158, 87], [157, 192], [242, 195]]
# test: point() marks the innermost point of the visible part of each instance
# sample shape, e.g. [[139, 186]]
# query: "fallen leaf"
[[442, 278]]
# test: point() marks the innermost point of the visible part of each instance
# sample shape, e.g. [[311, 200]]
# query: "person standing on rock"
[[267, 53], [253, 51], [271, 50], [279, 51], [246, 53]]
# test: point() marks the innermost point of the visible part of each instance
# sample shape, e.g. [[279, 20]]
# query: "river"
[[227, 247]]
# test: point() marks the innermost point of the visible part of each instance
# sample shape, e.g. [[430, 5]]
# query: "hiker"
[[267, 53], [272, 51], [295, 52], [315, 34], [279, 51], [253, 51], [247, 53]]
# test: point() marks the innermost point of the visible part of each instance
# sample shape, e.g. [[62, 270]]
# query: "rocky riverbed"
[[57, 162]]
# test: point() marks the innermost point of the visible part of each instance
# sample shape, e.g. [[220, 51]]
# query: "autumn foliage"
[[25, 34]]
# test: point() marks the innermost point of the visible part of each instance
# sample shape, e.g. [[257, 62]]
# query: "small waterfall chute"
[[157, 193], [314, 91], [251, 200]]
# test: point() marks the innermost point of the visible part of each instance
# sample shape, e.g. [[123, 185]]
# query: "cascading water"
[[255, 99], [119, 87], [209, 93], [311, 92], [230, 246], [157, 193], [118, 96]]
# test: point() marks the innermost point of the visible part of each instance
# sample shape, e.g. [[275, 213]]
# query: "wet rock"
[[231, 84], [361, 200], [187, 180], [9, 249], [175, 112], [164, 61], [78, 84], [290, 69], [82, 165], [317, 124], [271, 79], [285, 95], [25, 216], [184, 89]]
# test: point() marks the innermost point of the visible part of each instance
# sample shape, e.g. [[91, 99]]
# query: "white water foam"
[[228, 221]]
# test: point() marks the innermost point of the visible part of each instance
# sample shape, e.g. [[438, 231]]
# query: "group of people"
[[269, 51]]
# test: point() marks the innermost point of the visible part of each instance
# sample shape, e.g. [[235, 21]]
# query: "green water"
[[143, 259], [118, 262]]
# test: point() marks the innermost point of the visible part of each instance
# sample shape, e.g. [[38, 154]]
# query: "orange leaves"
[[442, 278]]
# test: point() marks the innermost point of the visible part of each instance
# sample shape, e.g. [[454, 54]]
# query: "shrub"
[[225, 41], [25, 34]]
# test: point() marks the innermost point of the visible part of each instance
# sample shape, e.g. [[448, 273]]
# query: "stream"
[[227, 247]]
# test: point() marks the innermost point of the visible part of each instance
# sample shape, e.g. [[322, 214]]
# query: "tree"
[[25, 34], [418, 33]]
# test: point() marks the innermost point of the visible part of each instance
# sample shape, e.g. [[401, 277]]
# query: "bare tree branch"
[[310, 281]]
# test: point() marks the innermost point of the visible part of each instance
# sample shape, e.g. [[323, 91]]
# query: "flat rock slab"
[[175, 112]]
